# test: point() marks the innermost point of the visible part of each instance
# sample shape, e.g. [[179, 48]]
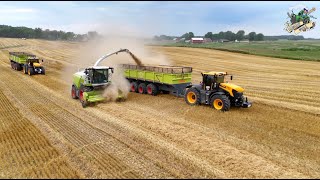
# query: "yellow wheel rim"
[[191, 96], [218, 104], [29, 71], [22, 69]]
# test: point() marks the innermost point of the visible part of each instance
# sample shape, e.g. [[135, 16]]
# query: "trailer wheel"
[[14, 66], [165, 92], [152, 89], [134, 86], [142, 88], [19, 67], [220, 102], [192, 96], [74, 92]]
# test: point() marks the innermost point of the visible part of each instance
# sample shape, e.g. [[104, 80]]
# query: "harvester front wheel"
[[192, 96], [134, 87], [74, 92], [83, 101], [152, 89], [142, 88], [220, 102]]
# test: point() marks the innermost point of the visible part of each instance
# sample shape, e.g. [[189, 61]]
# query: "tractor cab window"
[[219, 79], [99, 76], [31, 61]]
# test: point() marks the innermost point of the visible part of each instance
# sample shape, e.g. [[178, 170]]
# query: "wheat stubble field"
[[44, 133]]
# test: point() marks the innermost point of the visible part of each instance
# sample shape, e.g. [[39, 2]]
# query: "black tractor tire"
[[74, 92], [142, 88], [24, 69], [30, 71], [134, 86], [43, 71], [152, 89], [220, 102], [12, 65], [192, 96]]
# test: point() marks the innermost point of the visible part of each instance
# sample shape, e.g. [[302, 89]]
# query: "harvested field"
[[46, 133]]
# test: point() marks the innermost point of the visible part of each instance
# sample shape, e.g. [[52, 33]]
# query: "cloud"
[[18, 10]]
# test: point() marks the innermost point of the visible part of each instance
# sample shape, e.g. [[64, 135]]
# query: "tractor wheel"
[[74, 92], [84, 102], [11, 64], [192, 96], [220, 102], [30, 71], [152, 89], [24, 70], [142, 88], [134, 87], [43, 71]]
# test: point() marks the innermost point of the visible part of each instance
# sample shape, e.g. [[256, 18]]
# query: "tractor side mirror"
[[111, 70], [231, 78], [42, 60]]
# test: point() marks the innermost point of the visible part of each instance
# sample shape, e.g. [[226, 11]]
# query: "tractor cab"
[[97, 76], [211, 80], [33, 61]]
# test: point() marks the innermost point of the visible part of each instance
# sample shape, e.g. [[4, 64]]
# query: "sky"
[[149, 18]]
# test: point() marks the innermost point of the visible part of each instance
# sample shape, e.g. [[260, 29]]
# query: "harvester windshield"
[[99, 76]]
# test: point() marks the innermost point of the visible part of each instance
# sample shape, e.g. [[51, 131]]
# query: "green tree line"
[[229, 35], [38, 33], [240, 35]]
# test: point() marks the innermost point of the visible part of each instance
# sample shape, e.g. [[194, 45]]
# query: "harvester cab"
[[97, 76], [89, 84], [216, 91]]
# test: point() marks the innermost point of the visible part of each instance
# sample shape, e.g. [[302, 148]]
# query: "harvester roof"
[[99, 67], [215, 73]]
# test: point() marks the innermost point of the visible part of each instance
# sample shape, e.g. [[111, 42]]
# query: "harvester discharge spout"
[[110, 54]]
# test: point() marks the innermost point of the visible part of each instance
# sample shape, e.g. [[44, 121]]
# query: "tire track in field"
[[23, 147]]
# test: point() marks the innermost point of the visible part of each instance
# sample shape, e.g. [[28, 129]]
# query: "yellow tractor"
[[214, 90]]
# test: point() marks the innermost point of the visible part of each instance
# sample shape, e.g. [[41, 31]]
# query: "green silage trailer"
[[155, 79]]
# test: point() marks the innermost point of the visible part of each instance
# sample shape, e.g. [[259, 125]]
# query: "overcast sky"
[[155, 17]]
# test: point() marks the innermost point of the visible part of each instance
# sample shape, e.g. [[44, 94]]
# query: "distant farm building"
[[245, 40], [223, 40], [197, 40], [207, 40]]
